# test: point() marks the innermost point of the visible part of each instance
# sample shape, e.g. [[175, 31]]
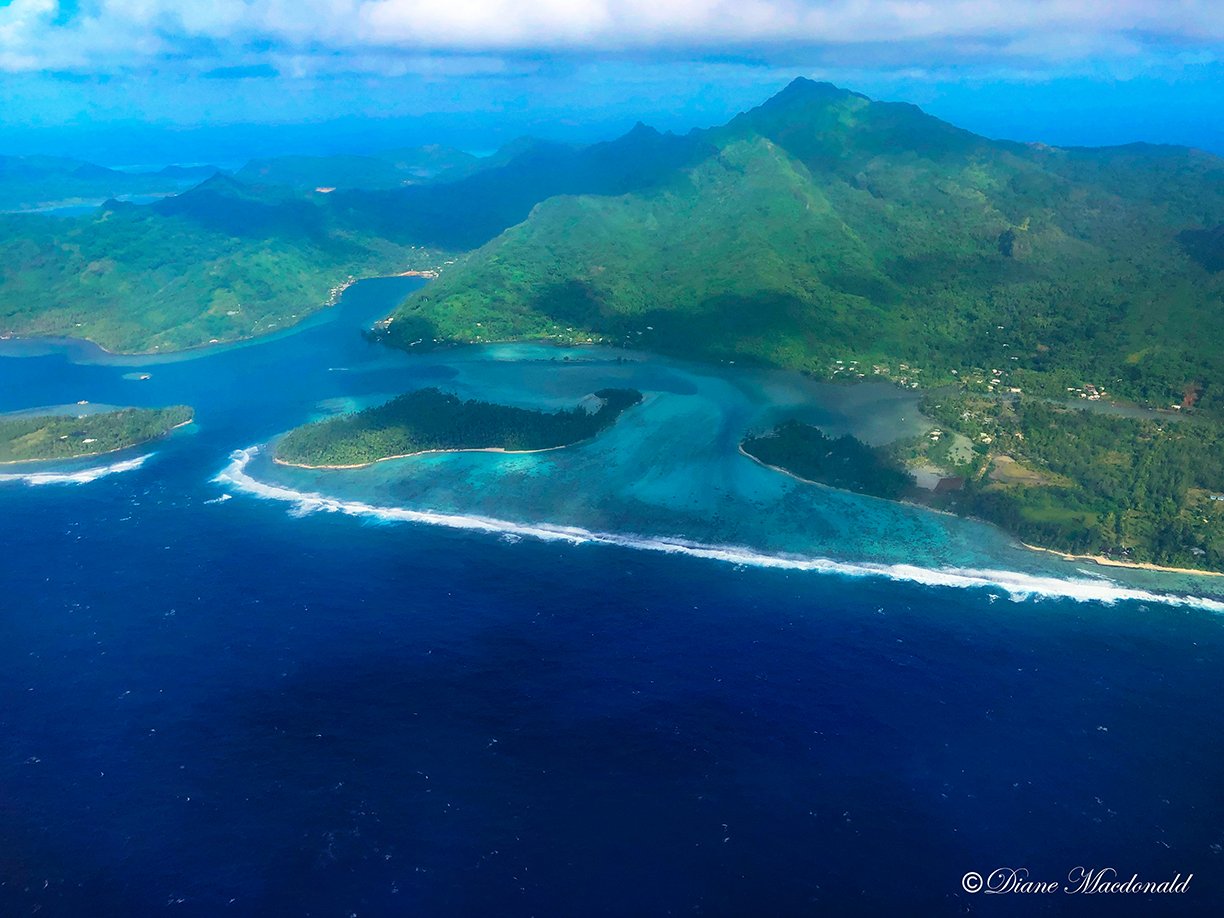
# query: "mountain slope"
[[220, 262], [824, 226], [470, 211]]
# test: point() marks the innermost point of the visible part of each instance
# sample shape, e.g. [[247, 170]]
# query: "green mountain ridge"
[[220, 262], [465, 213], [229, 259], [819, 226]]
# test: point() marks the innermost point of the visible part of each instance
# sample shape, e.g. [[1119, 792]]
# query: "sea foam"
[[1016, 584], [80, 476]]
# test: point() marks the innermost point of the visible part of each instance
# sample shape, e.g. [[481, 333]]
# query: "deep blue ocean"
[[212, 704]]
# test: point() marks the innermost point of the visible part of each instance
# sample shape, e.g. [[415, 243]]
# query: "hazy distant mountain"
[[469, 211], [197, 173], [32, 182], [391, 169]]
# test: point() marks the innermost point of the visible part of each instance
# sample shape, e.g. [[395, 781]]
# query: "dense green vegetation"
[[468, 212], [854, 239], [429, 419], [26, 438], [1063, 477], [844, 462], [217, 263], [824, 226], [229, 259], [1130, 488]]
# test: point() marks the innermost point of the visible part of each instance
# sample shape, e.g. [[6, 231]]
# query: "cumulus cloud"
[[105, 35]]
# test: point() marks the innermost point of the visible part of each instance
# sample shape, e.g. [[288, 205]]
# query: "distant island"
[[42, 437], [429, 420]]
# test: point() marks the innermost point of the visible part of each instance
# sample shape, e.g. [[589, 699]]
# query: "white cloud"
[[108, 35]]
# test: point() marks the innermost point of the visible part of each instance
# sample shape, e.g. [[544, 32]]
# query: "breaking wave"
[[1016, 584], [80, 476]]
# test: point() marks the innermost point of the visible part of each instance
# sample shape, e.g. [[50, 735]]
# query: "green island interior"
[[37, 437], [429, 419]]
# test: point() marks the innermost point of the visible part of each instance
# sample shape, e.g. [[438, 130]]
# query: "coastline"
[[221, 342], [789, 474], [1066, 556], [169, 352], [1134, 565], [1018, 585], [821, 484], [423, 452]]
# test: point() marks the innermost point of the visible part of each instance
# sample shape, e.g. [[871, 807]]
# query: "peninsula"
[[806, 453]]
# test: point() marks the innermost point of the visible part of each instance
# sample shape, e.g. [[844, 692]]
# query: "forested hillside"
[[823, 226], [230, 259]]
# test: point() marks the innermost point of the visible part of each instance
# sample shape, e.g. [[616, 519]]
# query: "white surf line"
[[1018, 585], [81, 476]]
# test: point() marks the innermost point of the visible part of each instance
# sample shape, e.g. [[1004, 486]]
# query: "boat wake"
[[1017, 585], [79, 476]]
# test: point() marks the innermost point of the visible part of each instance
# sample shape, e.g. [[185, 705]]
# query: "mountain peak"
[[219, 183], [805, 103], [826, 126], [801, 90]]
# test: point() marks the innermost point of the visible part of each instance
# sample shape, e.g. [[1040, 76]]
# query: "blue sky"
[[132, 80]]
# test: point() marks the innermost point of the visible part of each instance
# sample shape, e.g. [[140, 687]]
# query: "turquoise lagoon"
[[667, 477]]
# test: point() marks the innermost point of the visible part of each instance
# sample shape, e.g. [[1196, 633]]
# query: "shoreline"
[[1018, 585], [1066, 556], [423, 452], [171, 352], [789, 474], [820, 484], [240, 339], [1133, 565], [105, 452]]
